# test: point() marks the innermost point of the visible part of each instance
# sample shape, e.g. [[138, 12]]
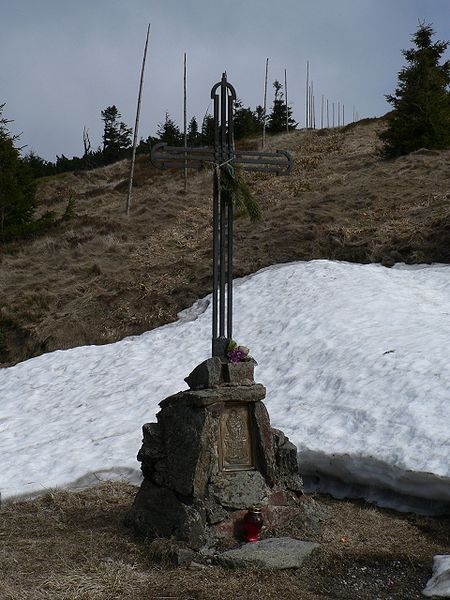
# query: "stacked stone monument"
[[212, 453], [211, 456]]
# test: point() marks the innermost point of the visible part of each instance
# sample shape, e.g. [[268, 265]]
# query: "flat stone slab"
[[439, 585], [273, 553]]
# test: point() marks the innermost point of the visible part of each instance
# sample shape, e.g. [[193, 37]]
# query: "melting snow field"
[[355, 359]]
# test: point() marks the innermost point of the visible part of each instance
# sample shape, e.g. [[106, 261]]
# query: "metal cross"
[[222, 153]]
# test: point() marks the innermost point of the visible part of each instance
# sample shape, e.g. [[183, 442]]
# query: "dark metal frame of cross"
[[221, 154]]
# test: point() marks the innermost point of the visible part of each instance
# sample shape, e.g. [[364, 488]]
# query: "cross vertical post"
[[221, 156], [223, 96]]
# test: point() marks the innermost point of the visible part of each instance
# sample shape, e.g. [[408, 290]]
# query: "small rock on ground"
[[273, 553], [439, 585]]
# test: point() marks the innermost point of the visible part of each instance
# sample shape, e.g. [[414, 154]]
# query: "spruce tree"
[[276, 122], [169, 132], [116, 135], [246, 121], [421, 101], [207, 136], [17, 188], [193, 132]]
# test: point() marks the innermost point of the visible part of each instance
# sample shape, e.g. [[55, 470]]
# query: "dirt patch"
[[102, 276], [67, 545]]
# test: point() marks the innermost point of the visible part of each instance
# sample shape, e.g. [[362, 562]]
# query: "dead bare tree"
[[86, 141], [136, 125]]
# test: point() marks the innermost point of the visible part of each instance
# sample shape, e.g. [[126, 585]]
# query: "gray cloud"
[[61, 62]]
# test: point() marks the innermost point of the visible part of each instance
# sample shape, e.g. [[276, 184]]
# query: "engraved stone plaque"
[[236, 448]]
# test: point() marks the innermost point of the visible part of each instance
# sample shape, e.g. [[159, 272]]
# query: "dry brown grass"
[[73, 546], [101, 276]]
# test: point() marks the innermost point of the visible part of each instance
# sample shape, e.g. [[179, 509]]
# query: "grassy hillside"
[[102, 276]]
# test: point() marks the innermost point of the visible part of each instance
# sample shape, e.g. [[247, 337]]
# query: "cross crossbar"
[[223, 152], [163, 156]]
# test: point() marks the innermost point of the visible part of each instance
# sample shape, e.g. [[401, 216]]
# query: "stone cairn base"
[[210, 457]]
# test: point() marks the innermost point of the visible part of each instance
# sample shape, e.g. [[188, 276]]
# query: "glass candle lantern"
[[252, 524]]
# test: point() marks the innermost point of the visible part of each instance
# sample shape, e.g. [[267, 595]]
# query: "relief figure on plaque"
[[235, 440]]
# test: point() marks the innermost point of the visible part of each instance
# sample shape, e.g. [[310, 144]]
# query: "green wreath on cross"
[[234, 188]]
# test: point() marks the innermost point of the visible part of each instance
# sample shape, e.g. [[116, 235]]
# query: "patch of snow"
[[439, 585], [354, 358]]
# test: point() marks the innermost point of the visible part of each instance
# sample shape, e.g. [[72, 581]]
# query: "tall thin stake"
[[136, 126], [339, 114], [307, 96], [185, 125], [321, 114], [313, 106], [328, 115], [343, 114], [286, 94], [333, 115], [265, 105]]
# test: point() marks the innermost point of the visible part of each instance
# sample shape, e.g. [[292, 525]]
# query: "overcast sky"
[[62, 62]]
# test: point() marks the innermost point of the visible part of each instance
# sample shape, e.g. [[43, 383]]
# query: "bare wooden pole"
[[321, 114], [286, 95], [310, 108], [343, 114], [339, 114], [185, 123], [333, 115], [136, 126], [265, 105], [328, 115], [313, 106], [307, 96]]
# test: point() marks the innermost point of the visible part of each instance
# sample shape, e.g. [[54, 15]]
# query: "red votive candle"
[[252, 524]]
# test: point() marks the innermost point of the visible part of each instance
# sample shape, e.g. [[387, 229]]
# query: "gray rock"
[[198, 398], [151, 450], [207, 374], [157, 512], [195, 566], [215, 512], [189, 439], [439, 585], [264, 443], [239, 490], [286, 462], [185, 557], [313, 514], [241, 373], [273, 553]]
